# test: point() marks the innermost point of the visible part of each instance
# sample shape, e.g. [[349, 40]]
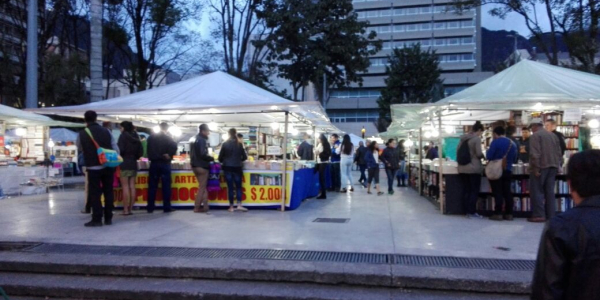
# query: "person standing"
[[401, 175], [524, 146], [502, 147], [471, 169], [201, 160], [544, 161], [568, 264], [551, 126], [323, 152], [305, 150], [335, 162], [161, 148], [231, 157], [347, 158], [510, 134], [131, 150], [359, 158], [100, 178], [372, 160], [432, 152], [391, 161]]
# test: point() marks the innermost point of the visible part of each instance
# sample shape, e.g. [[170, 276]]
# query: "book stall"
[[505, 99], [25, 145], [271, 127]]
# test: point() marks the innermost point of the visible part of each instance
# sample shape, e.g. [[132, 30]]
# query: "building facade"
[[456, 38]]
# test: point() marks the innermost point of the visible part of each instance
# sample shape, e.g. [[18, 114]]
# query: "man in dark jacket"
[[551, 126], [201, 166], [305, 150], [100, 178], [568, 263], [232, 156], [161, 148], [359, 158]]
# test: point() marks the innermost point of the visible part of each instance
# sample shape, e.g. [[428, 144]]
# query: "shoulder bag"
[[494, 168], [108, 158]]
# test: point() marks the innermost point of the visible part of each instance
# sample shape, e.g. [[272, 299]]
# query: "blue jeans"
[[391, 173], [402, 171], [234, 178], [162, 172]]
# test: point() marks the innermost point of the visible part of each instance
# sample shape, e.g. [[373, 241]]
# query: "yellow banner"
[[259, 188]]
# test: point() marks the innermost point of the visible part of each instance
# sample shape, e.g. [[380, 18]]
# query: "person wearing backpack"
[[100, 178], [131, 150], [201, 160], [323, 152], [469, 157], [502, 148]]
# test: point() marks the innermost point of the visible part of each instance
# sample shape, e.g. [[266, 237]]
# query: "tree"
[[310, 39], [13, 41], [413, 77], [160, 37], [528, 10], [62, 83]]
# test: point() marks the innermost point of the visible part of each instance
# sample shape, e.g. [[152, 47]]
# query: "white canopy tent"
[[216, 97], [219, 99], [14, 117], [63, 135], [527, 86]]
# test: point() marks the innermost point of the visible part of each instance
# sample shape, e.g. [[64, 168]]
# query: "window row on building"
[[424, 26], [355, 93], [444, 59], [353, 116], [405, 11], [442, 42]]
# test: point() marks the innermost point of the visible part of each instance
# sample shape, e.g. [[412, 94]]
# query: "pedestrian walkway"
[[403, 223]]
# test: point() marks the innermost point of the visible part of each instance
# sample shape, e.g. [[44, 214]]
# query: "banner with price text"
[[259, 188]]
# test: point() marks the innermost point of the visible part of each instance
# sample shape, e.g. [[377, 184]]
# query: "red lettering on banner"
[[243, 193], [142, 192], [192, 179], [193, 193], [141, 180], [184, 194], [174, 194], [253, 192], [176, 179]]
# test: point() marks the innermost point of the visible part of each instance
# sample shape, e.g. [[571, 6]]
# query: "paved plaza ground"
[[403, 223]]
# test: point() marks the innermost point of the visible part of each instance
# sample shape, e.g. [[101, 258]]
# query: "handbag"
[[106, 157], [495, 168]]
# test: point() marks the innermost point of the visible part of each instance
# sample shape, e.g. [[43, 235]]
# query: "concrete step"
[[136, 288], [270, 271]]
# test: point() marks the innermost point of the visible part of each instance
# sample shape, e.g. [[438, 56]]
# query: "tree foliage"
[[313, 38], [160, 40], [413, 77], [576, 21]]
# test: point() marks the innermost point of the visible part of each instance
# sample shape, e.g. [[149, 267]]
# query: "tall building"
[[455, 37]]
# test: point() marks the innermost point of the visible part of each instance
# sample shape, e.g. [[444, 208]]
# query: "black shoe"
[[87, 212], [93, 224], [107, 222], [150, 211], [322, 197], [170, 210]]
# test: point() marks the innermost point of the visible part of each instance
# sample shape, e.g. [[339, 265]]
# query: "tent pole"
[[283, 177], [258, 138], [315, 137], [420, 170], [441, 162]]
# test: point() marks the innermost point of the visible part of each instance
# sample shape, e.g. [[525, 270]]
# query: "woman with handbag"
[[323, 152], [501, 155]]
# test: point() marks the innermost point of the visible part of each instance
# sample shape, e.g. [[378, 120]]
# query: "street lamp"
[[363, 131]]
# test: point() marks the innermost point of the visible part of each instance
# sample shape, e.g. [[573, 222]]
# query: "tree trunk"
[[96, 50]]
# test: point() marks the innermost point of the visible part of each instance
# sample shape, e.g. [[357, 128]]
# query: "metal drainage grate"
[[16, 246], [463, 262], [270, 254], [331, 220]]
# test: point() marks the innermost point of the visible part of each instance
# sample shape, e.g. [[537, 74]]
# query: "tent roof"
[[528, 83], [216, 97], [63, 135], [214, 89], [16, 117]]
